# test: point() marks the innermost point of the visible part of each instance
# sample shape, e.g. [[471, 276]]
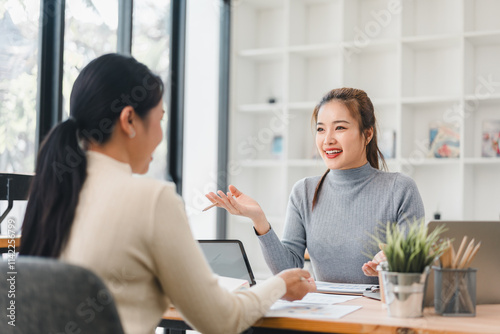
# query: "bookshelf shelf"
[[425, 101], [483, 97], [315, 50], [483, 37], [421, 62], [373, 47], [261, 163], [260, 108], [433, 162], [263, 54], [482, 161], [302, 106], [432, 42]]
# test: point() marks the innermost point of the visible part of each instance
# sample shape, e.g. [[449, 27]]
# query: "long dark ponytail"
[[361, 108], [103, 88], [59, 176]]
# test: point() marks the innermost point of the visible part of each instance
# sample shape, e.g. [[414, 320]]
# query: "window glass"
[[151, 46], [19, 23], [90, 31]]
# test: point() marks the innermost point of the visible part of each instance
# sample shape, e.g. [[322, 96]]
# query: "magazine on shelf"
[[444, 141], [490, 146]]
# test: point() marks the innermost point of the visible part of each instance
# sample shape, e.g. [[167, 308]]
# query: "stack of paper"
[[233, 284], [314, 306]]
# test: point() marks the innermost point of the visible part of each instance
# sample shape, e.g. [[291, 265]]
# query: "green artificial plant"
[[411, 249]]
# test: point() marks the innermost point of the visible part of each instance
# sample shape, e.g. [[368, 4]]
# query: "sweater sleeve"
[[189, 283], [288, 253], [407, 199]]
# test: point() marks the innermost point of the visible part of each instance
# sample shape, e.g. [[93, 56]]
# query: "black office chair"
[[51, 296]]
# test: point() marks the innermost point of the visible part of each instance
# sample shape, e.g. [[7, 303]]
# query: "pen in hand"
[[209, 207]]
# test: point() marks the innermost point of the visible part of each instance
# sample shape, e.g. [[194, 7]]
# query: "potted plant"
[[409, 252]]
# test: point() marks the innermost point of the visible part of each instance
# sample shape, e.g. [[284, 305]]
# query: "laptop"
[[487, 260], [228, 258]]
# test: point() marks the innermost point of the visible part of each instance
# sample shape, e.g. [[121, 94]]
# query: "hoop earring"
[[132, 134]]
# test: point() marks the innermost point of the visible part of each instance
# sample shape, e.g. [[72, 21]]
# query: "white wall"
[[201, 113]]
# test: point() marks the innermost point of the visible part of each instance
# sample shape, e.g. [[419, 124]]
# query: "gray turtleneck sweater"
[[351, 206]]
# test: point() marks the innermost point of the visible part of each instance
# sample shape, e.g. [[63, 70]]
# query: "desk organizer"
[[455, 292]]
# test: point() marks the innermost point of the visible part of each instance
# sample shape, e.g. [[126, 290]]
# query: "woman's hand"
[[370, 267], [299, 282], [237, 203]]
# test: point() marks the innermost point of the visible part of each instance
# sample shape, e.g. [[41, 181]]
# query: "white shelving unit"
[[420, 61]]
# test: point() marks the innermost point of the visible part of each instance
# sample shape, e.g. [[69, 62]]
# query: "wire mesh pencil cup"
[[455, 292]]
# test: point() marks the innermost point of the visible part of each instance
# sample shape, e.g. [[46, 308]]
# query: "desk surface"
[[4, 241], [372, 318]]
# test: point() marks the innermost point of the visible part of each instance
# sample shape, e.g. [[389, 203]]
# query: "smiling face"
[[338, 138]]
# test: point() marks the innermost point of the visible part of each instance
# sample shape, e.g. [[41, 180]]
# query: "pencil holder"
[[455, 292]]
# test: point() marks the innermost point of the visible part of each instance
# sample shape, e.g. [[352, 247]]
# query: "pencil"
[[472, 254], [459, 253], [466, 255], [209, 207]]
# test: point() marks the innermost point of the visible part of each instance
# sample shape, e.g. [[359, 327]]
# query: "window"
[[18, 84], [90, 30], [150, 45]]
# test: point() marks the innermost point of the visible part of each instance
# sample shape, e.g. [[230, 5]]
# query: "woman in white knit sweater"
[[86, 208]]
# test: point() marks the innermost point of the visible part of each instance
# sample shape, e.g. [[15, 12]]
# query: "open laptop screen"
[[228, 258]]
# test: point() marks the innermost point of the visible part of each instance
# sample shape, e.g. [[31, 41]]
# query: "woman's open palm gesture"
[[237, 203]]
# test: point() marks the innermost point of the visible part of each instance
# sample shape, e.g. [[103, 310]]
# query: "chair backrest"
[[13, 187], [43, 295]]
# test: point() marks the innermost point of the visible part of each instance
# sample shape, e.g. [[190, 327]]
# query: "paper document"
[[309, 311], [343, 288], [233, 284], [321, 298]]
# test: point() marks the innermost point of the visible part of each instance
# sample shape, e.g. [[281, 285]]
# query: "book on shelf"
[[277, 147], [444, 140], [490, 146]]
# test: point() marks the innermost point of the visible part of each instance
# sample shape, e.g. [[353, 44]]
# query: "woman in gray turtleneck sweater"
[[334, 215]]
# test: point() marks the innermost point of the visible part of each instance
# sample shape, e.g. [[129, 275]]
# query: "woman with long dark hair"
[[334, 215], [86, 208]]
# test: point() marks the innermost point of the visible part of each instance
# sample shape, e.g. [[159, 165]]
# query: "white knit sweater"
[[134, 234]]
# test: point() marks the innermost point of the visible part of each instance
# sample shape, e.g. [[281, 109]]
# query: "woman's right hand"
[[370, 267], [299, 282], [237, 203]]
